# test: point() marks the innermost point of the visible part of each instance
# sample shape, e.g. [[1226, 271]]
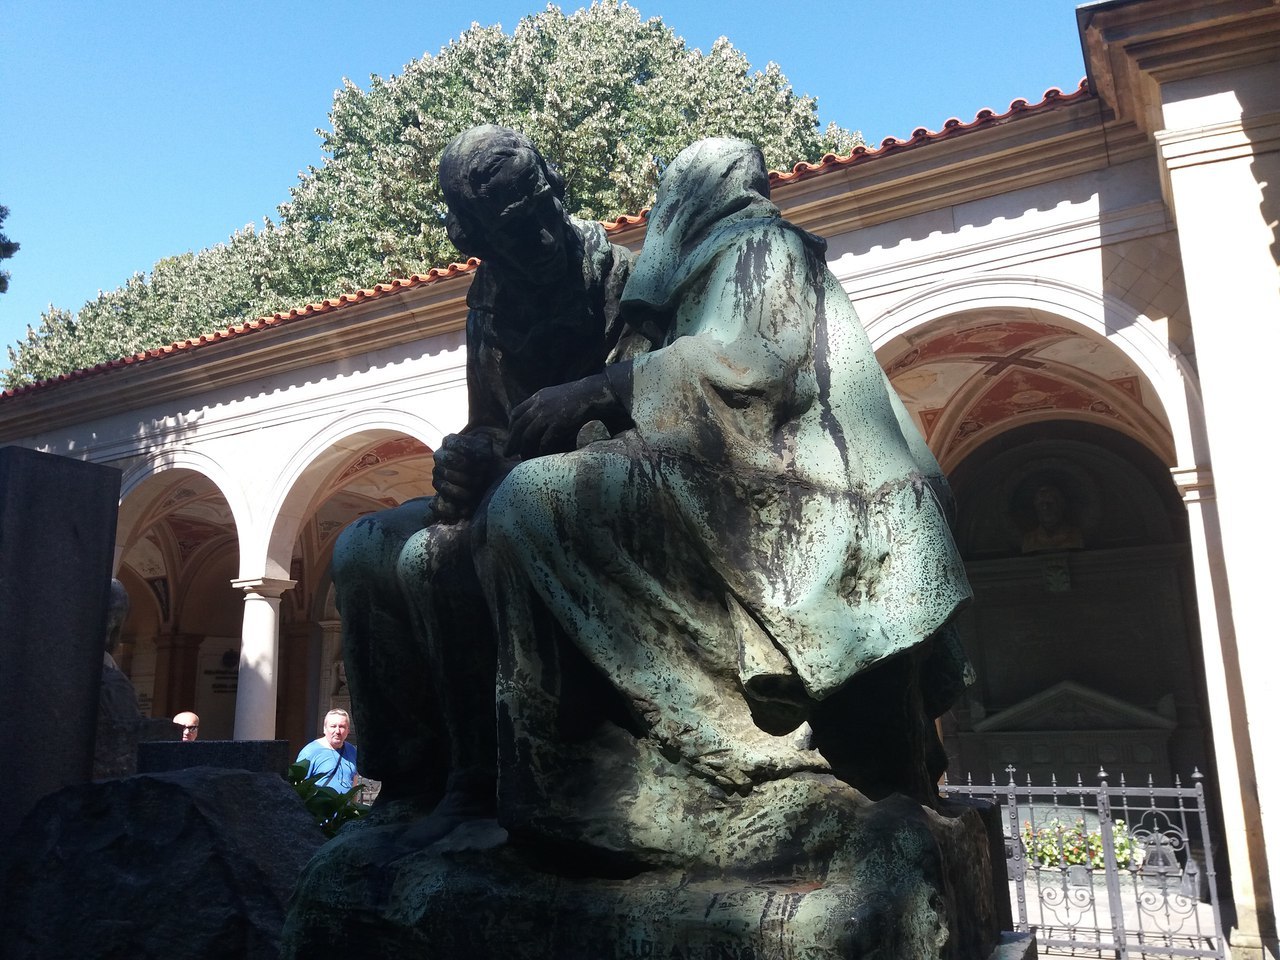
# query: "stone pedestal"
[[196, 864], [258, 756], [1016, 946], [910, 886]]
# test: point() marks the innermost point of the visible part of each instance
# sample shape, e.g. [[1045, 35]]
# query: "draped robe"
[[771, 527]]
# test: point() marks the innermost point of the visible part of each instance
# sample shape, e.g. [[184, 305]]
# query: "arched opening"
[[362, 473], [179, 551], [1058, 445], [1082, 630]]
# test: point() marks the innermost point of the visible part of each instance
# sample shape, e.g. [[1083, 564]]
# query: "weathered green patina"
[[720, 579], [769, 530]]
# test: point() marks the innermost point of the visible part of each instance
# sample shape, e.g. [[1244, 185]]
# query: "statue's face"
[[523, 222]]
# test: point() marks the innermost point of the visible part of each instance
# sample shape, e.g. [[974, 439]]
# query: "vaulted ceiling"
[[978, 374]]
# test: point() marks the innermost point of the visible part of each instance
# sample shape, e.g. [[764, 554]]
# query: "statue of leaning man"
[[418, 641]]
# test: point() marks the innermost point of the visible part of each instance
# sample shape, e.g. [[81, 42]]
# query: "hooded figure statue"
[[760, 568]]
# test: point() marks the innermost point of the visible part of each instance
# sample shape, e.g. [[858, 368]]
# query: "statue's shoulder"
[[599, 252], [591, 231], [483, 292]]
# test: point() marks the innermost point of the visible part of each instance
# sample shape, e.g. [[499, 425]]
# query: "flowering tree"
[[608, 96], [7, 249]]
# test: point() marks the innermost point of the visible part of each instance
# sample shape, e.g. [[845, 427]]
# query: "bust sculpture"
[[1054, 529]]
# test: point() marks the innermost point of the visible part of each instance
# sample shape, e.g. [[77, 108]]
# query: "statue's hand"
[[466, 465], [549, 421]]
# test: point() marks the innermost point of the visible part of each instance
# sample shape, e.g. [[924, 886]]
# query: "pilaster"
[[1232, 745]]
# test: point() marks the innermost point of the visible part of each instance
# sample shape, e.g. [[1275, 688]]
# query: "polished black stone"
[[57, 535]]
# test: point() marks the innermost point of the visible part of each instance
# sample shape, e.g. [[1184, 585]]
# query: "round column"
[[259, 657]]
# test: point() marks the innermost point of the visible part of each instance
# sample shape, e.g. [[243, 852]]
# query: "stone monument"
[[122, 728], [188, 865], [57, 534], [714, 580]]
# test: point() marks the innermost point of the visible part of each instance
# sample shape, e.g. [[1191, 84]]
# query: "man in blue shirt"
[[330, 755]]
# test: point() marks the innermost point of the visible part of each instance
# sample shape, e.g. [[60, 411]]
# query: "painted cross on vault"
[[1015, 359]]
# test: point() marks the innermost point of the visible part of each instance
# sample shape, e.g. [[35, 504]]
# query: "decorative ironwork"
[[1112, 871]]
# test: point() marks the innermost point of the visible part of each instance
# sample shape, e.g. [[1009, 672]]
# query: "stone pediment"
[[1072, 706]]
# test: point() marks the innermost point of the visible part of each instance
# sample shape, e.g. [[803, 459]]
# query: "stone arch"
[[144, 473], [179, 508], [337, 473], [1097, 314], [1032, 606], [285, 503]]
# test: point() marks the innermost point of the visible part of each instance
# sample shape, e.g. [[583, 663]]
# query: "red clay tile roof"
[[434, 275], [801, 171], [922, 135]]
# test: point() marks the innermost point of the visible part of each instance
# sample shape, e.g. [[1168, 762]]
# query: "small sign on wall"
[[217, 677]]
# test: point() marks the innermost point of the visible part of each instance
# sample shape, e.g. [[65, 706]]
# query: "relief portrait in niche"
[[1054, 526]]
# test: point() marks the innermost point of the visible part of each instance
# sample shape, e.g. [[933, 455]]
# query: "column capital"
[[1235, 138], [270, 587], [1195, 483]]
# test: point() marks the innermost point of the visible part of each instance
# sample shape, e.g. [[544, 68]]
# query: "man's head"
[[505, 203], [190, 724], [337, 724]]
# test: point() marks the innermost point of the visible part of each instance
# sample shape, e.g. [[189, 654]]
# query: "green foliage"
[[330, 808], [609, 97], [7, 249], [1057, 844]]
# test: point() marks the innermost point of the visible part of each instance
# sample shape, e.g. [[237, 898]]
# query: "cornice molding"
[[1230, 140], [359, 328], [1030, 152], [1194, 483], [269, 588], [1132, 48]]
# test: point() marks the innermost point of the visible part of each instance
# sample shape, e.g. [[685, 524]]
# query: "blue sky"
[[139, 129]]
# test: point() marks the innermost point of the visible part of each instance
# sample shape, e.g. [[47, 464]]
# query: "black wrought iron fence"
[[1109, 871]]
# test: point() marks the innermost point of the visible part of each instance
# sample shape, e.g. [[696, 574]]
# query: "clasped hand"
[[466, 465], [549, 421]]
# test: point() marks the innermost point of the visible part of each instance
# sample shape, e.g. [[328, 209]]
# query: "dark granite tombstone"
[[189, 865], [259, 756], [57, 534]]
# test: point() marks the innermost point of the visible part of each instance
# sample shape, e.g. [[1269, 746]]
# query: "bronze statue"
[[715, 571], [417, 637], [762, 564]]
